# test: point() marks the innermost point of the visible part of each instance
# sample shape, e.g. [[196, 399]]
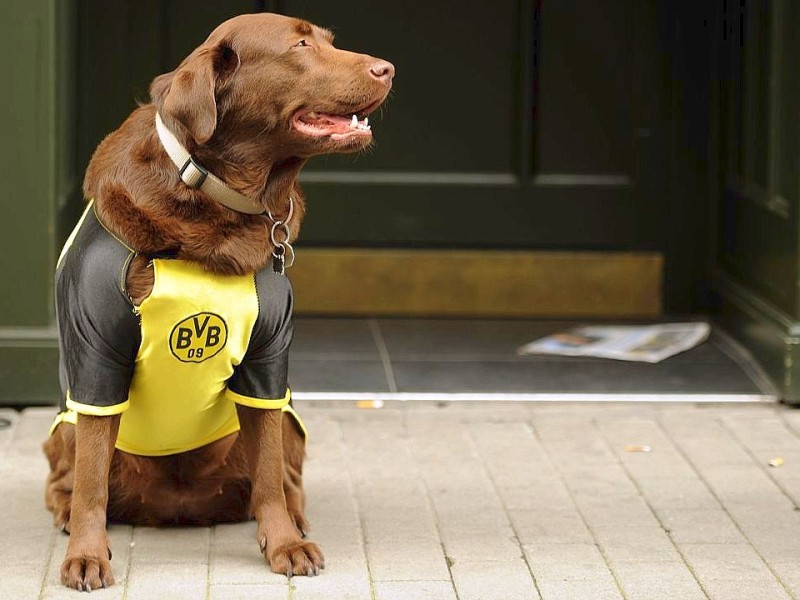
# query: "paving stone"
[[792, 419], [790, 469], [663, 460], [343, 580], [677, 493], [593, 589], [775, 544], [774, 513], [512, 453], [743, 484], [23, 507], [173, 581], [556, 426], [408, 523], [646, 544], [60, 592], [621, 511], [476, 488], [236, 534], [413, 590], [393, 561], [386, 494], [746, 590], [657, 581], [233, 565], [550, 526], [576, 450], [171, 545], [481, 512], [32, 428], [481, 544], [26, 546], [606, 481], [543, 494], [20, 581], [788, 571], [723, 562], [7, 433], [563, 562], [791, 488], [707, 442], [768, 432], [57, 552], [699, 526], [335, 539], [494, 581], [249, 592]]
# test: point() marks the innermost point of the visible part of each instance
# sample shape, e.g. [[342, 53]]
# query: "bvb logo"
[[198, 338]]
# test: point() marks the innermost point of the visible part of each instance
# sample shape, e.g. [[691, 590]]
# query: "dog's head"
[[273, 87]]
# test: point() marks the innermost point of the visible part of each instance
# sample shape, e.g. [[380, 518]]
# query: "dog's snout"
[[382, 70]]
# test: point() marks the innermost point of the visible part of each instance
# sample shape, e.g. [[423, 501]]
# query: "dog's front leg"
[[87, 564], [277, 535]]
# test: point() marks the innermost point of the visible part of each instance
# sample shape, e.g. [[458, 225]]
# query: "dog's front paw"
[[297, 558], [86, 573]]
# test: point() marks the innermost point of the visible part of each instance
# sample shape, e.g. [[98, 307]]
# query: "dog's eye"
[[301, 43]]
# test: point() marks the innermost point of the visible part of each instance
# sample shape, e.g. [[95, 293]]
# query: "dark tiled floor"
[[446, 356]]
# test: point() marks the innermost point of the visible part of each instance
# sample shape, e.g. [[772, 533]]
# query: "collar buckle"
[[193, 174]]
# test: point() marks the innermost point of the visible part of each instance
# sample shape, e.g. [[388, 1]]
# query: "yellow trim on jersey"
[[289, 409], [265, 403], [67, 416], [74, 233], [145, 449], [97, 411], [108, 231], [70, 416]]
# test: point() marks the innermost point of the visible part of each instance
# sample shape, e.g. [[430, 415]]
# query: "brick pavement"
[[475, 501]]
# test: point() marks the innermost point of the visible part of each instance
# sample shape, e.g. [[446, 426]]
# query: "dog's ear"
[[188, 94]]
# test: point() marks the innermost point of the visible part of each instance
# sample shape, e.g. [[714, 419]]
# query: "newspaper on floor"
[[642, 343]]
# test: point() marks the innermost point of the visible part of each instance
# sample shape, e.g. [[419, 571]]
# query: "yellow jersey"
[[176, 365]]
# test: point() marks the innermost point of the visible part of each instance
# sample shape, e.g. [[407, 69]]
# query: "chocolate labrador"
[[173, 309]]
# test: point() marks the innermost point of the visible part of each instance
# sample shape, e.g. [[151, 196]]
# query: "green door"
[[757, 266], [514, 125], [519, 126]]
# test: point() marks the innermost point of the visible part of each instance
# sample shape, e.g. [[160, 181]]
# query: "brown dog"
[[259, 97]]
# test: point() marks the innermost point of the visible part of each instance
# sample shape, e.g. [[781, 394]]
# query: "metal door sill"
[[535, 397]]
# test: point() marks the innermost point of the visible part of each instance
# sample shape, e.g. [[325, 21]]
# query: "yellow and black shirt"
[[177, 364]]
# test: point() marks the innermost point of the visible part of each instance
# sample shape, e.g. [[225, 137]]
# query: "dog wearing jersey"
[[174, 312]]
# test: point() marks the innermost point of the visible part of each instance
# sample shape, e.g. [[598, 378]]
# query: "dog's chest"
[[195, 329], [195, 322]]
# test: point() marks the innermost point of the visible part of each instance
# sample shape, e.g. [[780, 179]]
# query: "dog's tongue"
[[327, 123]]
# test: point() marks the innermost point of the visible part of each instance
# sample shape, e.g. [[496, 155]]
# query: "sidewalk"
[[474, 501]]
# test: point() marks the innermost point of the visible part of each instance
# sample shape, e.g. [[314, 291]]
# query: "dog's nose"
[[382, 70]]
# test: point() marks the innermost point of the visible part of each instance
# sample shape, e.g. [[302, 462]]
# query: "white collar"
[[198, 178]]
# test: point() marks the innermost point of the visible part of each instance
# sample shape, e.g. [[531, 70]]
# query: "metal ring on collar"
[[274, 228], [288, 217], [287, 256]]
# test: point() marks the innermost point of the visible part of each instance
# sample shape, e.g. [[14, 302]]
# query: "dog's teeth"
[[366, 122], [313, 114], [354, 122]]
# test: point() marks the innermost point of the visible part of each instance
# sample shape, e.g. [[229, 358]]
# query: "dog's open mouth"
[[338, 127]]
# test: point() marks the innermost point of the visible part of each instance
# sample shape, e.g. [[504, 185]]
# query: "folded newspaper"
[[645, 343]]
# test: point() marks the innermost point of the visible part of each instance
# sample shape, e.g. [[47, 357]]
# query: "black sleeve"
[[261, 380], [99, 333]]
